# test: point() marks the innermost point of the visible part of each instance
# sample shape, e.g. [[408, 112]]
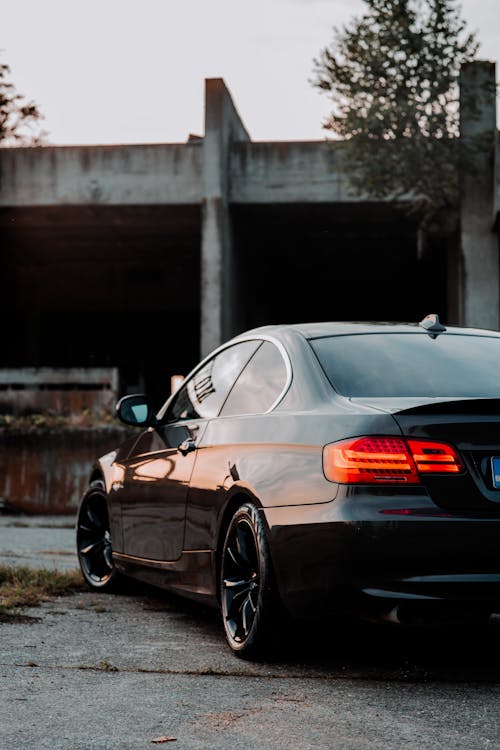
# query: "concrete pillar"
[[479, 241], [223, 126]]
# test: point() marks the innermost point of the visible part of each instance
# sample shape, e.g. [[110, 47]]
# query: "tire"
[[248, 601], [93, 540]]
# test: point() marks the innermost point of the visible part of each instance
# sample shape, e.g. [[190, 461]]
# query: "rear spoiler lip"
[[440, 405]]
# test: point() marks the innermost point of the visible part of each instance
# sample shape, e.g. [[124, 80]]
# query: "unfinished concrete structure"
[[146, 256]]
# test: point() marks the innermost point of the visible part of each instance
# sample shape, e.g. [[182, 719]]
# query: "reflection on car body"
[[312, 469]]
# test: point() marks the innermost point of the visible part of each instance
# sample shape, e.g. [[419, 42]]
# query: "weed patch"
[[21, 586]]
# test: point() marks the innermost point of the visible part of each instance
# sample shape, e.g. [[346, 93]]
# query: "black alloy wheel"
[[247, 599], [93, 539]]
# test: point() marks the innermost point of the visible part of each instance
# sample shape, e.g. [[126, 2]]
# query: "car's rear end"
[[414, 530], [433, 542]]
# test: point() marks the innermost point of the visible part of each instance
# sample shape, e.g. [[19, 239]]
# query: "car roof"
[[330, 328]]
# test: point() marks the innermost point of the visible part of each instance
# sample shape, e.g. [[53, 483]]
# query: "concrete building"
[[146, 256]]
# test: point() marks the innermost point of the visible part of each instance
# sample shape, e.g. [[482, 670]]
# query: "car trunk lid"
[[470, 425]]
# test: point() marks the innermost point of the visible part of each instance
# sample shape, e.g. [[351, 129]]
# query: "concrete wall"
[[59, 391], [244, 172], [109, 175], [497, 175], [304, 172], [219, 274], [478, 201]]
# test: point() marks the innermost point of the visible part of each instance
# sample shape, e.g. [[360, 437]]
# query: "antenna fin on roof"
[[432, 323]]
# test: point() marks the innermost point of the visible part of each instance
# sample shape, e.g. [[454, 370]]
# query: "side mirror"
[[135, 410]]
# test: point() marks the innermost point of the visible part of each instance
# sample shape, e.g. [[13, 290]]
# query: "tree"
[[392, 75], [19, 119]]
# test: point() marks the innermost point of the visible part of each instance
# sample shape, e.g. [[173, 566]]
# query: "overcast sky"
[[132, 71]]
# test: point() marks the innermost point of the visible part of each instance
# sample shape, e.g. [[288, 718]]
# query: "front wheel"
[[246, 586], [93, 539]]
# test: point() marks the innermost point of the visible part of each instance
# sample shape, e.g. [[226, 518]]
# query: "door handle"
[[187, 446]]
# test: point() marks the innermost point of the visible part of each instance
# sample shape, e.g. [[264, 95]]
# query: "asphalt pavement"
[[38, 541], [100, 672]]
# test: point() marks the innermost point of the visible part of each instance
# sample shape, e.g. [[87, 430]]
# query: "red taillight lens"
[[386, 460], [436, 458], [372, 460]]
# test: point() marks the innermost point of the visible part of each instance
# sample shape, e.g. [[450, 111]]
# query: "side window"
[[203, 394], [260, 383]]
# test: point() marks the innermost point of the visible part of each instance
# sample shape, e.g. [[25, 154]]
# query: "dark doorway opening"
[[103, 286], [300, 263]]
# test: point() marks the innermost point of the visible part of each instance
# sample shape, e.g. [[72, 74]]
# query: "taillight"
[[387, 460], [436, 458], [376, 459]]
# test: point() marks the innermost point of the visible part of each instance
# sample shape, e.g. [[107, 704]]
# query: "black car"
[[312, 469]]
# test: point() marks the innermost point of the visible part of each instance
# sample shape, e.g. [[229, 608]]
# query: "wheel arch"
[[238, 498], [98, 475]]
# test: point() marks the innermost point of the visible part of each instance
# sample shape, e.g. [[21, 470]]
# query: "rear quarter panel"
[[274, 459]]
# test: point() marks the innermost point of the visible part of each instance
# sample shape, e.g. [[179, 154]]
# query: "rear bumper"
[[368, 551]]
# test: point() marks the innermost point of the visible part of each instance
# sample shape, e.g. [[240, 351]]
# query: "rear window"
[[399, 364]]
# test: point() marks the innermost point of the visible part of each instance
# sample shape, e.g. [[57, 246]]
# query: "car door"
[[157, 474], [245, 444]]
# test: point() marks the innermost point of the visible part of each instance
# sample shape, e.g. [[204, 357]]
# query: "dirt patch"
[[17, 618]]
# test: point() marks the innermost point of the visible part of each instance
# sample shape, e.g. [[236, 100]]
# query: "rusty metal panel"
[[47, 471]]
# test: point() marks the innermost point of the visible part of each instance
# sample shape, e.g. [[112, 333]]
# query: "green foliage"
[[19, 119], [392, 75]]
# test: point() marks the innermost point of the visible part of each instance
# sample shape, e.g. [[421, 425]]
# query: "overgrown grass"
[[21, 586]]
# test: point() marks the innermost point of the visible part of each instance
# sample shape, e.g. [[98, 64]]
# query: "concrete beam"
[[478, 206], [101, 175], [223, 126], [288, 172], [171, 174]]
